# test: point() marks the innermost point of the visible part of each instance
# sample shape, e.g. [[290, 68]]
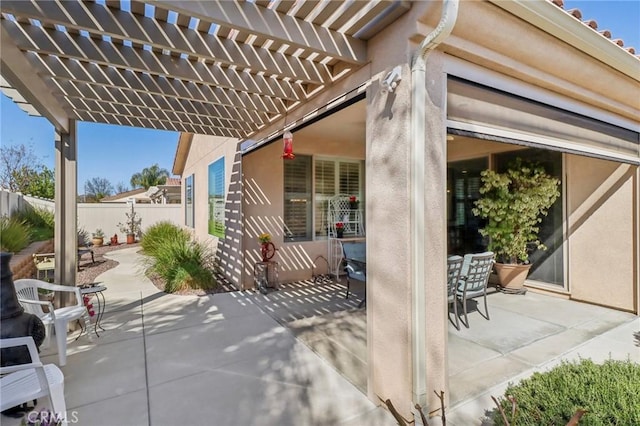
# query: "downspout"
[[418, 99]]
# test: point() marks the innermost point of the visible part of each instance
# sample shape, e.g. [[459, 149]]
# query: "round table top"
[[93, 289]]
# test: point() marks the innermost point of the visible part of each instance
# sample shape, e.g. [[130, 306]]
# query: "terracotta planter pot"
[[512, 276], [131, 238]]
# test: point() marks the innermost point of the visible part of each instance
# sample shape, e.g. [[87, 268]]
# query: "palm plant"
[[150, 176]]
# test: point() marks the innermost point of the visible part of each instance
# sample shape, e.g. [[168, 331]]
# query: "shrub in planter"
[[609, 392]]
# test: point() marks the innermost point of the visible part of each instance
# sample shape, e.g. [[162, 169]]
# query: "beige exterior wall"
[[603, 232], [204, 151], [263, 202]]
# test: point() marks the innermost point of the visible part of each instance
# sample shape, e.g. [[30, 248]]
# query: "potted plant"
[[353, 202], [513, 204], [98, 238], [131, 226], [267, 249], [339, 229]]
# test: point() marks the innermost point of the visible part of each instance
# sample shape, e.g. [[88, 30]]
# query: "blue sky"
[[117, 152]]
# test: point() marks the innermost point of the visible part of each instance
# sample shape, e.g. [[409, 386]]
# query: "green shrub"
[[610, 392], [156, 234], [40, 220], [182, 264], [14, 234]]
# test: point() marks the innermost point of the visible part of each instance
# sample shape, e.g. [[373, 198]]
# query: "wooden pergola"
[[222, 68]]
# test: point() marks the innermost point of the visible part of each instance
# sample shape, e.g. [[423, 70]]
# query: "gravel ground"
[[89, 271]]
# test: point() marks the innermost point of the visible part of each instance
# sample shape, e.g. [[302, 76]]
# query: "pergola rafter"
[[225, 68]]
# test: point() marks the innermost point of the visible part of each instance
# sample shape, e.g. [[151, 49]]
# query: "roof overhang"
[[544, 15], [182, 151]]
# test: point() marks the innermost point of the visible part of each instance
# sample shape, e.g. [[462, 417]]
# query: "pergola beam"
[[233, 66], [100, 21], [150, 123], [86, 50], [17, 70], [208, 120], [253, 19], [87, 89], [142, 98]]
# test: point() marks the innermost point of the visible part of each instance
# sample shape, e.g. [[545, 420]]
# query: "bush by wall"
[[40, 220], [180, 262], [162, 231], [14, 234], [610, 392]]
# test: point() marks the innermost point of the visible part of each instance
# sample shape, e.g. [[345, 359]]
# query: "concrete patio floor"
[[218, 359], [526, 333], [298, 355]]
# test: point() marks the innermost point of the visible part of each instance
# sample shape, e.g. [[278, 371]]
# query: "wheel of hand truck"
[[262, 285]]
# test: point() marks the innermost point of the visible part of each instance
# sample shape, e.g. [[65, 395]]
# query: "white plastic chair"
[[27, 291], [26, 382]]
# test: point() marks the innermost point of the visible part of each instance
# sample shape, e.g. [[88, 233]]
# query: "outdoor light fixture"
[[390, 81], [287, 139]]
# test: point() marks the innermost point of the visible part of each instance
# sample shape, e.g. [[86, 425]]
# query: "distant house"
[[169, 193]]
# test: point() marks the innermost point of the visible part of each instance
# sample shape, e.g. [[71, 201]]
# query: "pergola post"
[[66, 222]]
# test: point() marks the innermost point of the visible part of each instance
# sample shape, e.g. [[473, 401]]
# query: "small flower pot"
[[97, 241], [340, 233], [131, 238]]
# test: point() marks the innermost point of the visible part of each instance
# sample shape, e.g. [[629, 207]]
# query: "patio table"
[[96, 290]]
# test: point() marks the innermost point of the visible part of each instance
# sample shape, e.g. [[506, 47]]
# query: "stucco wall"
[[204, 151], [602, 232], [264, 203]]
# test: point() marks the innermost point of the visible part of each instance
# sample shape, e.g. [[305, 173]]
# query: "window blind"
[[297, 198]]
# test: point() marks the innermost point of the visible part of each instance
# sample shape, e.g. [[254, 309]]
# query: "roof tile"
[[576, 13]]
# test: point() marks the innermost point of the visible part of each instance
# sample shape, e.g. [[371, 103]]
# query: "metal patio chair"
[[454, 267], [355, 258], [473, 280]]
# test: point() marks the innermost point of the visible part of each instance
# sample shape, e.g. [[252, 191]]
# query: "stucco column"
[[390, 326], [66, 222], [388, 245], [435, 232]]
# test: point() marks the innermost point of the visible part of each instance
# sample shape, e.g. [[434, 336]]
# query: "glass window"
[[330, 178], [216, 198], [463, 190], [547, 265], [297, 198], [334, 177], [188, 199]]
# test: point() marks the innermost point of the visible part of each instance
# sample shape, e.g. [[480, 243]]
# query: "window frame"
[[189, 201], [312, 213], [212, 209]]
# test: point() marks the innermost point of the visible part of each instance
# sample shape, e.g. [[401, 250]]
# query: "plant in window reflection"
[[265, 237], [514, 203]]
